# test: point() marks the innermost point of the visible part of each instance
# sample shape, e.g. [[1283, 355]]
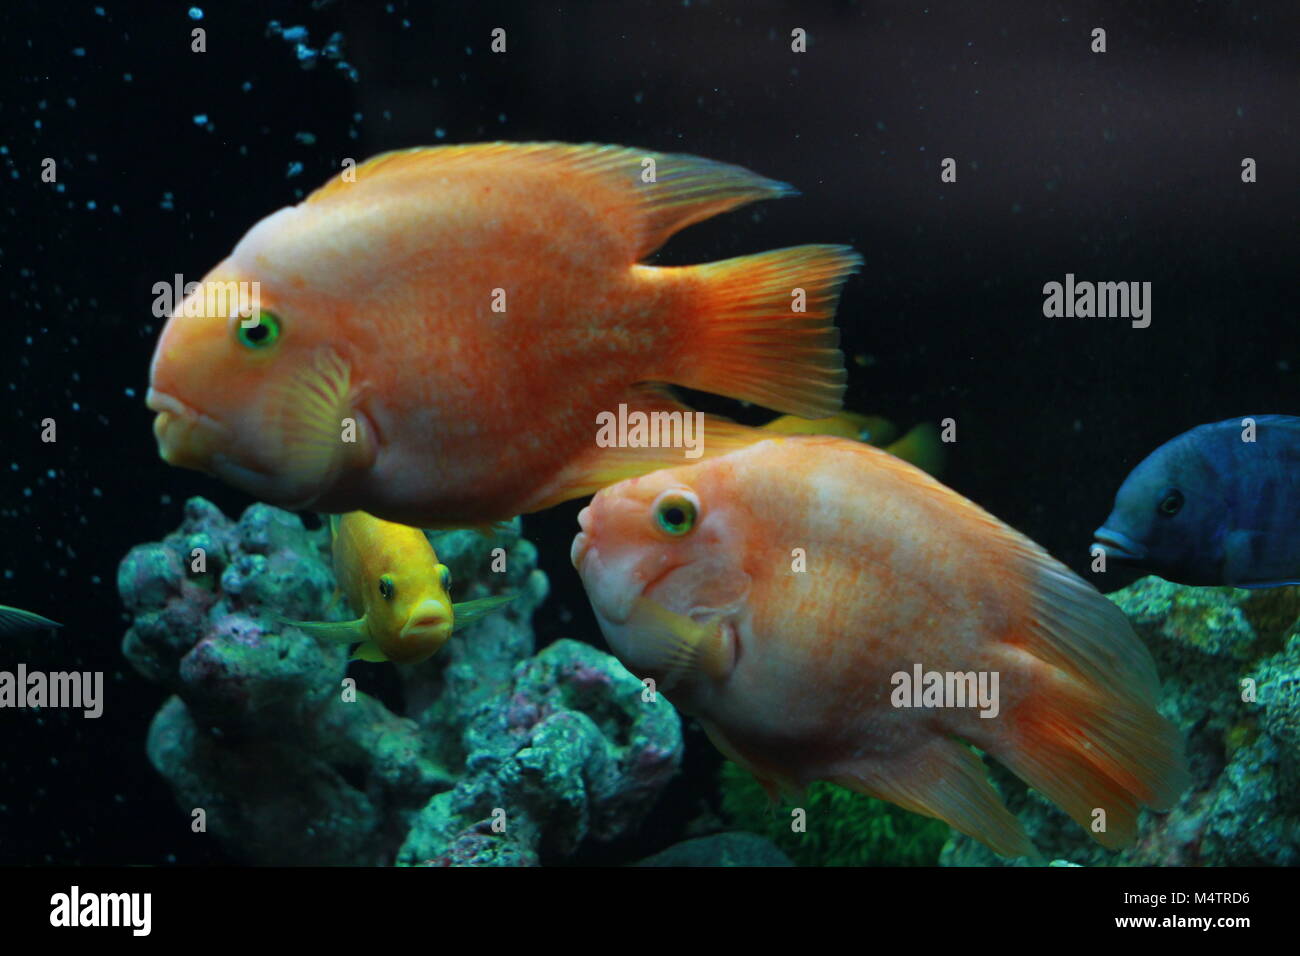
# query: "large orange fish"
[[435, 340], [796, 596]]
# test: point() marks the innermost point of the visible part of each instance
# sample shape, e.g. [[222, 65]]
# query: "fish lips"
[[187, 438], [578, 550], [609, 578], [1118, 546], [431, 622]]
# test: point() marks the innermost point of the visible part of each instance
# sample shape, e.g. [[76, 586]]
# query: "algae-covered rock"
[[496, 757], [568, 749], [1229, 662]]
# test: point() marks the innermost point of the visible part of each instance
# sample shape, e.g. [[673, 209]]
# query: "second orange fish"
[[829, 612]]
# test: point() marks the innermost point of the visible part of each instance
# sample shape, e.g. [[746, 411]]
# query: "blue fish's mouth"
[[1118, 546]]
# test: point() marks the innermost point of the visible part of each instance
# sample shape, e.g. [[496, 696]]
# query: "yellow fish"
[[391, 573], [920, 446]]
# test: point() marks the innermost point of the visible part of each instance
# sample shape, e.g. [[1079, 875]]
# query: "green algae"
[[843, 828]]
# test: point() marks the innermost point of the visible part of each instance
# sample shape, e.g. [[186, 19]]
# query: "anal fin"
[[601, 466], [775, 782], [946, 780], [368, 652]]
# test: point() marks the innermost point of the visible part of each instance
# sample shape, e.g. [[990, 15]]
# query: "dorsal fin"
[[610, 180]]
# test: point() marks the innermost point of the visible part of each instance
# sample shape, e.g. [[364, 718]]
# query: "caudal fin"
[[761, 328], [922, 447], [1089, 736]]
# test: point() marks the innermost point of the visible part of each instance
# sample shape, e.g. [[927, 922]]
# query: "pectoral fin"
[[337, 632], [342, 632], [673, 645], [471, 612], [318, 400]]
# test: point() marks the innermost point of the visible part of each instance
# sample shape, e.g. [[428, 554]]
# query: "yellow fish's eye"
[[444, 577], [386, 589], [675, 512], [262, 335]]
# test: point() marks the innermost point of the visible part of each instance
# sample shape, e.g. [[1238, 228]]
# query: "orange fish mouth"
[[186, 437], [581, 541], [578, 550]]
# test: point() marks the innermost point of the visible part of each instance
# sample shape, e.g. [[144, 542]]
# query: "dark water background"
[[1116, 166]]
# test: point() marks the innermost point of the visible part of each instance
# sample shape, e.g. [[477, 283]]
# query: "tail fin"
[[922, 447], [1089, 737], [850, 425], [746, 340]]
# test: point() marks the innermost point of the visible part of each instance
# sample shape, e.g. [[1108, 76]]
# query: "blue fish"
[[1219, 504]]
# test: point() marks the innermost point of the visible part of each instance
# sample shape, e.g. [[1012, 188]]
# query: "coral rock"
[[496, 757]]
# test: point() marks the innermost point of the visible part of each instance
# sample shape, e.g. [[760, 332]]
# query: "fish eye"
[[444, 577], [386, 588], [1171, 502], [262, 335], [676, 511]]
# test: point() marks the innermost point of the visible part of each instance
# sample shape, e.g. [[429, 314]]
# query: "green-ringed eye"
[[676, 512], [386, 588], [262, 335], [1171, 502], [444, 577]]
